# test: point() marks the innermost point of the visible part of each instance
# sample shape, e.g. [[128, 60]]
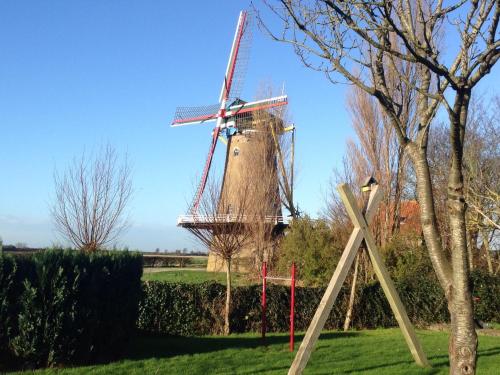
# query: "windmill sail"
[[238, 59], [194, 115], [259, 105], [204, 177]]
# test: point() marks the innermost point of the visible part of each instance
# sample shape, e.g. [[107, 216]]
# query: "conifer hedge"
[[196, 309], [60, 307]]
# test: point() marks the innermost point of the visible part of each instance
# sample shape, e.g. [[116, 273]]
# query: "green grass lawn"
[[193, 277], [358, 352]]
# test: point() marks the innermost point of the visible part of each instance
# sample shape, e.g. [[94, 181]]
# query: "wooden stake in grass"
[[359, 233]]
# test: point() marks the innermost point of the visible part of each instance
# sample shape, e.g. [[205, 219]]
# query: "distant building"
[[409, 216]]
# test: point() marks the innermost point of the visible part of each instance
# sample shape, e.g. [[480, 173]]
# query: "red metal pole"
[[263, 304], [292, 310]]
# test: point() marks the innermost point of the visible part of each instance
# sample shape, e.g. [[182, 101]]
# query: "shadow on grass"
[[442, 360], [163, 347], [431, 370], [438, 362]]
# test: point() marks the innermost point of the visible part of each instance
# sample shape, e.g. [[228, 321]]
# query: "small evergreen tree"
[[312, 245]]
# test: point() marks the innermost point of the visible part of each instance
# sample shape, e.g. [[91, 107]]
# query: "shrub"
[[181, 309], [486, 290], [196, 309], [406, 257], [315, 249], [68, 306], [7, 306]]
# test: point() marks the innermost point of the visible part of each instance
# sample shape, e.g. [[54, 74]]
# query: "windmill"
[[233, 121]]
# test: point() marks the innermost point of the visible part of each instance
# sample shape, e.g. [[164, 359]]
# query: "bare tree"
[[357, 40], [261, 173], [91, 198], [222, 226], [376, 152], [481, 179], [282, 133], [285, 152]]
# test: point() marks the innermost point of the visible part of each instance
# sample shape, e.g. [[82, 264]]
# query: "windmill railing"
[[227, 218]]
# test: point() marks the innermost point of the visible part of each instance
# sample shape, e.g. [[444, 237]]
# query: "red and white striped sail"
[[206, 169], [232, 83], [238, 60], [199, 115], [258, 105]]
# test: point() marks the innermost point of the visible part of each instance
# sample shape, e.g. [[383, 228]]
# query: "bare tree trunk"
[[428, 217], [397, 192], [486, 245], [463, 338], [227, 329], [470, 254], [367, 269], [348, 316], [472, 237]]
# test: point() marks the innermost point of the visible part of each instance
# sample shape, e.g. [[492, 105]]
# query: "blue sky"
[[78, 74]]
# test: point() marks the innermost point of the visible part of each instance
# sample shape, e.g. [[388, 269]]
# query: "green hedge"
[[59, 307], [486, 289], [196, 309]]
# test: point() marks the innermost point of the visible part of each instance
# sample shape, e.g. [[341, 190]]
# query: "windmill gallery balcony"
[[206, 221]]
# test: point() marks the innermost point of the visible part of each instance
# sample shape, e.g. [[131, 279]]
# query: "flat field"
[[380, 351], [176, 275]]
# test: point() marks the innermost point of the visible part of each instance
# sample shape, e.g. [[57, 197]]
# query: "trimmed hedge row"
[[59, 307], [196, 309]]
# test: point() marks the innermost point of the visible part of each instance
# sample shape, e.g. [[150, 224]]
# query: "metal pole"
[[292, 309], [263, 304]]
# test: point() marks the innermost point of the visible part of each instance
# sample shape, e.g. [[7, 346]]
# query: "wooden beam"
[[373, 201], [384, 278], [332, 291]]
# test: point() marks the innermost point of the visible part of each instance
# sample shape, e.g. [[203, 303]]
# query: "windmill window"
[[236, 151]]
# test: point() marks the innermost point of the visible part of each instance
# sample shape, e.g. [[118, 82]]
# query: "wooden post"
[[350, 306], [359, 232]]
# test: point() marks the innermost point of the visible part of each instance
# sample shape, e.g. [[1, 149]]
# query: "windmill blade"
[[238, 59], [195, 115], [258, 105], [204, 177]]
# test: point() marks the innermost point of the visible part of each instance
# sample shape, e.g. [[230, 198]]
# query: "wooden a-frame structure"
[[360, 232]]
